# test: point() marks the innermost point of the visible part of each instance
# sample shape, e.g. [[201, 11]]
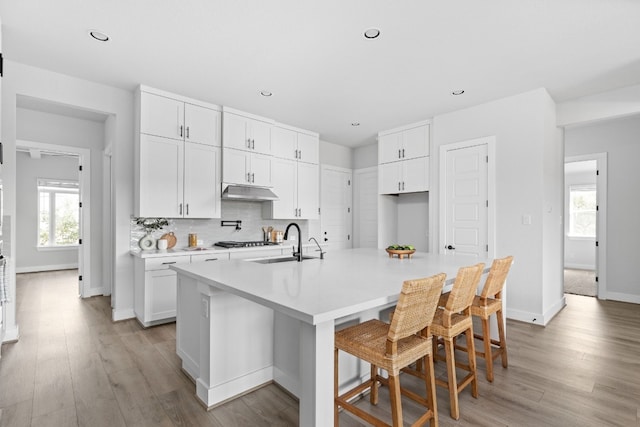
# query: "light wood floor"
[[74, 367]]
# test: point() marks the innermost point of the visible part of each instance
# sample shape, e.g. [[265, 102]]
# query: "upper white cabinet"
[[295, 174], [403, 157], [244, 168], [404, 143], [178, 166], [161, 115], [295, 144], [247, 132]]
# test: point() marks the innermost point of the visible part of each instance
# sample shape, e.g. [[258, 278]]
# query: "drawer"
[[163, 263], [209, 257]]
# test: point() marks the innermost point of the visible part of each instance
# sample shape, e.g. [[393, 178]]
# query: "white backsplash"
[[210, 231]]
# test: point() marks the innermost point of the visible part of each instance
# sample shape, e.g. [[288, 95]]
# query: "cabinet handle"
[[300, 212], [402, 149], [253, 144], [210, 259], [187, 131], [253, 177], [248, 176], [187, 208], [300, 154], [398, 185], [296, 155], [180, 208], [402, 190], [249, 143], [181, 127], [168, 262], [399, 156]]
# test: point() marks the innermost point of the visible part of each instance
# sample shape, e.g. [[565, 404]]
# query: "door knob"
[[325, 239], [449, 247]]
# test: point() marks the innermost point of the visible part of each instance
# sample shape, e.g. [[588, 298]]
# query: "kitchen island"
[[241, 324]]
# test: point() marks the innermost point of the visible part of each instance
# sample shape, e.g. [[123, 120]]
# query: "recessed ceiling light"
[[355, 124], [457, 92], [371, 33], [98, 35], [265, 93]]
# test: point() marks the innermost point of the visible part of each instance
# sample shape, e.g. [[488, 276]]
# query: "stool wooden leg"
[[394, 395], [336, 421], [431, 388], [451, 378], [488, 357], [471, 352], [503, 340], [373, 396]]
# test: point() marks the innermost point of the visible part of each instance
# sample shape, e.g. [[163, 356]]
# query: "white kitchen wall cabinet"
[[409, 142], [177, 157], [161, 114], [244, 168], [295, 174], [403, 159], [295, 144], [247, 132]]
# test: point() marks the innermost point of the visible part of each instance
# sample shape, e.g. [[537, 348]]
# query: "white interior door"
[[365, 208], [466, 199], [335, 207]]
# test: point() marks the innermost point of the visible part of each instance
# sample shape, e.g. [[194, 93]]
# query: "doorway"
[[584, 225], [50, 177], [335, 205]]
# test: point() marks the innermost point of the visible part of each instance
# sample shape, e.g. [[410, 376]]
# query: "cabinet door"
[[260, 136], [202, 125], [308, 148], [260, 168], [283, 143], [161, 116], [235, 166], [389, 147], [308, 190], [161, 292], [415, 142], [201, 181], [389, 178], [416, 175], [161, 176], [284, 180], [234, 132]]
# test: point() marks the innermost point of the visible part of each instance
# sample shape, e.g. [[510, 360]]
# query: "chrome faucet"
[[319, 248], [297, 254]]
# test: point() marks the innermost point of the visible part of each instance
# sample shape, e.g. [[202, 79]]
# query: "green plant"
[[151, 224]]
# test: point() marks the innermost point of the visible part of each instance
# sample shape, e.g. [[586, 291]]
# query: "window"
[[582, 211], [59, 212]]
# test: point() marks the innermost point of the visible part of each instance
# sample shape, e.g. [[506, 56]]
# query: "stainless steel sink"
[[274, 260]]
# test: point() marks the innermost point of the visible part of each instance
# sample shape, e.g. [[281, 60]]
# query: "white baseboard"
[[11, 334], [537, 318], [93, 292], [117, 315], [38, 268], [555, 309], [618, 296], [580, 266]]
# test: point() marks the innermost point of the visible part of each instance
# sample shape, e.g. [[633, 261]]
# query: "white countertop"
[[345, 282], [183, 251]]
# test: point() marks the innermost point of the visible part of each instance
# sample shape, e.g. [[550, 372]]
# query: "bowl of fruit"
[[400, 251]]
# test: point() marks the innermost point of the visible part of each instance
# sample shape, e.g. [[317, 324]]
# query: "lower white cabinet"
[[155, 289], [408, 176]]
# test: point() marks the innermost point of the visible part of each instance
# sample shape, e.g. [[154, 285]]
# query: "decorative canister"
[[193, 240]]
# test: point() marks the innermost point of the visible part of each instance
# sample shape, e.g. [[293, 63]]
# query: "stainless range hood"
[[248, 193]]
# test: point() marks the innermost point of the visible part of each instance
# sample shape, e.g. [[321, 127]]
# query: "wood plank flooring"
[[74, 367]]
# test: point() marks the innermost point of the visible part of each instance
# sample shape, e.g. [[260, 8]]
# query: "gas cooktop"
[[232, 244]]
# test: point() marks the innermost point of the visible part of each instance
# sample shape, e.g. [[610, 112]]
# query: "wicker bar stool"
[[452, 319], [483, 306], [392, 347]]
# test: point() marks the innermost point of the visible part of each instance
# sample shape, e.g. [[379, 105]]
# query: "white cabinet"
[[297, 185], [163, 115], [403, 159], [244, 168], [409, 176], [295, 174], [246, 132], [178, 179], [155, 289], [177, 157], [404, 144], [288, 143]]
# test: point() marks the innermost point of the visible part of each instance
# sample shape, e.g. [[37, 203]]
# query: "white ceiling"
[[312, 54]]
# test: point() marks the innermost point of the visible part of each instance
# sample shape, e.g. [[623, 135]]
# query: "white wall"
[[578, 252], [335, 155], [620, 139], [20, 79], [28, 257], [529, 175], [365, 156]]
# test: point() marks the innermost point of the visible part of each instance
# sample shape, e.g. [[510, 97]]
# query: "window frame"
[[577, 188], [52, 187]]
